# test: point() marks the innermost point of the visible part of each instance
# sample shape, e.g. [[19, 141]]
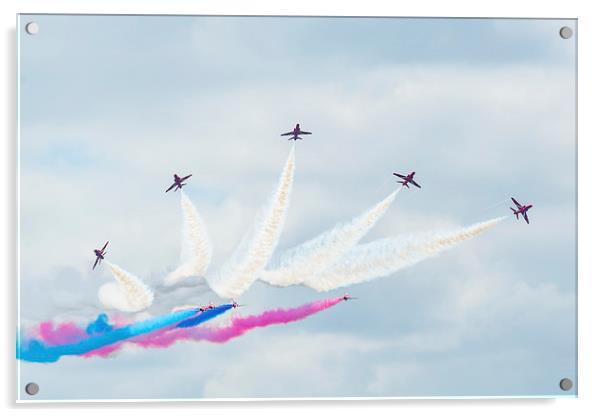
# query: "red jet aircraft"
[[296, 133], [521, 209], [178, 182], [407, 179], [209, 306], [100, 255]]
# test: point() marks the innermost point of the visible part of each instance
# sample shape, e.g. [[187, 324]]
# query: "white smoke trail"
[[129, 294], [256, 248], [196, 247], [315, 255], [386, 256], [112, 296]]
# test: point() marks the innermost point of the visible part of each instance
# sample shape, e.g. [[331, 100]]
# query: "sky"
[[482, 109]]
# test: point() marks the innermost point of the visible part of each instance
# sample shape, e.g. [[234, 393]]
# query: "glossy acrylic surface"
[[457, 294]]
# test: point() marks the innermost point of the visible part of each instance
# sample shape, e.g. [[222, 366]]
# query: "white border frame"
[[589, 171]]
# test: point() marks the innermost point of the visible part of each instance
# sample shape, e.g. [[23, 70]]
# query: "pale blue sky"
[[112, 106]]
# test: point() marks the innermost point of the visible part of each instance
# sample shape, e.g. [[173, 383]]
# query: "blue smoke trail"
[[102, 334], [204, 316], [100, 325]]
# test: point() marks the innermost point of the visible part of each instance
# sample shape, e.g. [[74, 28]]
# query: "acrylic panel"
[[216, 207]]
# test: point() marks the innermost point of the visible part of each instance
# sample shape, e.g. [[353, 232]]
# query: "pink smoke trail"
[[103, 352], [59, 334], [68, 332], [238, 326], [54, 334], [71, 333]]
